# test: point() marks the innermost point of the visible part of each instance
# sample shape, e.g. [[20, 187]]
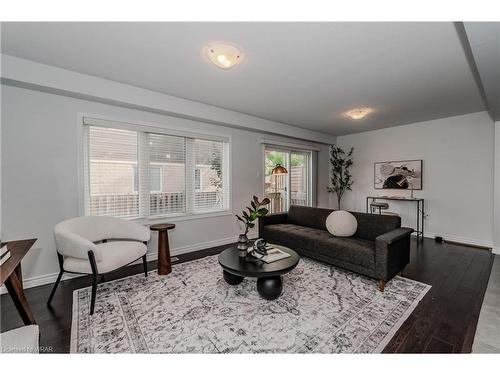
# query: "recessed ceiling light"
[[223, 55], [358, 113]]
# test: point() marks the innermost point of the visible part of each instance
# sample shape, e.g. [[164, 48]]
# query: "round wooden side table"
[[164, 264]]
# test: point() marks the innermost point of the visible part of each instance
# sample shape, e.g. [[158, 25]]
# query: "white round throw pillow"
[[341, 224]]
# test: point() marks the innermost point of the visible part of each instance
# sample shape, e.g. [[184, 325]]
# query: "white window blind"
[[132, 173], [209, 193], [112, 160], [168, 154]]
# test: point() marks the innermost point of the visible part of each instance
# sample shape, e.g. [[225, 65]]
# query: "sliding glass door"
[[287, 178], [276, 184], [300, 179]]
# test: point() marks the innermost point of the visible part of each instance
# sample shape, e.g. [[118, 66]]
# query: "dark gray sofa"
[[380, 248]]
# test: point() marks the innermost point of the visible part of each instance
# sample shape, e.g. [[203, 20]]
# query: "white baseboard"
[[464, 240], [31, 282], [496, 250]]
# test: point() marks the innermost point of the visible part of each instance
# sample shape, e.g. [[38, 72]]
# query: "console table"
[[420, 213], [11, 275]]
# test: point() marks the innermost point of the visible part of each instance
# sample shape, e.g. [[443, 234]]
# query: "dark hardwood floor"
[[444, 321]]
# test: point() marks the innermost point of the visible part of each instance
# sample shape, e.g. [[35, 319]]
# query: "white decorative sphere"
[[341, 224]]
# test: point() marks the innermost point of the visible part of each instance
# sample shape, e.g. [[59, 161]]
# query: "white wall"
[[40, 174], [29, 74], [458, 159], [496, 223]]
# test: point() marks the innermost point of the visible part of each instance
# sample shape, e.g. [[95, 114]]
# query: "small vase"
[[242, 245]]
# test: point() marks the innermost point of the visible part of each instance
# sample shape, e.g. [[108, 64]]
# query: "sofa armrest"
[[394, 235], [392, 252], [270, 219]]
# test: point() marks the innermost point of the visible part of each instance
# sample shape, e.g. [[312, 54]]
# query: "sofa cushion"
[[350, 250], [291, 235], [370, 226], [341, 224], [311, 217]]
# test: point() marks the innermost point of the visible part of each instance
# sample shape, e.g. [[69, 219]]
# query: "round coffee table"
[[269, 283]]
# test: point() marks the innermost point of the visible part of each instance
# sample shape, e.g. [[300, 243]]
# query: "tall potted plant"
[[341, 178]]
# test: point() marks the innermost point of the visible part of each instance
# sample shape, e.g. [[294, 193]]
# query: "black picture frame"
[[401, 162]]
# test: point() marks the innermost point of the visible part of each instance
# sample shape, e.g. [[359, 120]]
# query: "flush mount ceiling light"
[[225, 56], [358, 113]]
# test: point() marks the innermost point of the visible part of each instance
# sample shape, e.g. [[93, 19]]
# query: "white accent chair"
[[96, 245]]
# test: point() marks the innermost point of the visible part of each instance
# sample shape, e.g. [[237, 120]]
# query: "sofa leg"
[[381, 285]]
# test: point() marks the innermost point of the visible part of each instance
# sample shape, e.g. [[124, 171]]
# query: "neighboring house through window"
[[155, 173], [197, 179]]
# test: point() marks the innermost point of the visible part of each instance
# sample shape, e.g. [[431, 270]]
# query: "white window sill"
[[183, 217]]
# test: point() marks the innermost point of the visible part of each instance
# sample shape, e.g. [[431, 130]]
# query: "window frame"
[[175, 128]]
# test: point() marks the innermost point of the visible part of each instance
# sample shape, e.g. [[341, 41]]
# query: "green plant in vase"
[[248, 218]]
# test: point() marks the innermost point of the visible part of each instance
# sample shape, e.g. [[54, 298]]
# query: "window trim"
[[176, 127], [149, 127]]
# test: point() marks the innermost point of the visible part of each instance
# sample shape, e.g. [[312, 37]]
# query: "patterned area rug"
[[323, 309]]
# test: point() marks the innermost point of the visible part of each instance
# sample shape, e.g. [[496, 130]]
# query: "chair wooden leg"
[[58, 280], [381, 285], [95, 275], [145, 265]]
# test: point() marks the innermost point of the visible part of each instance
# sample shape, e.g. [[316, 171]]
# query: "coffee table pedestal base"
[[269, 287], [268, 275], [231, 279]]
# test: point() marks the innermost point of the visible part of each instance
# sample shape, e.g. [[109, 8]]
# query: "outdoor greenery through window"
[[134, 174], [294, 187]]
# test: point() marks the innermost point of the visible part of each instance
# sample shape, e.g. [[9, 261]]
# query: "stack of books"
[[274, 254], [4, 254]]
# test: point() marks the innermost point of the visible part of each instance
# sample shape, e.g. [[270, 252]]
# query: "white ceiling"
[[304, 74]]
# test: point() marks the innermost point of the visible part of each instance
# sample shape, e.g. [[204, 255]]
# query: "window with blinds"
[[207, 175], [134, 173], [167, 174], [112, 165]]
